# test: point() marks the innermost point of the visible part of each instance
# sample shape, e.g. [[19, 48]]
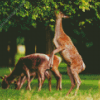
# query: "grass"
[[89, 89], [17, 56]]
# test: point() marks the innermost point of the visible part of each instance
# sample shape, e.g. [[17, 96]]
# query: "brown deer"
[[21, 80], [68, 52], [29, 66]]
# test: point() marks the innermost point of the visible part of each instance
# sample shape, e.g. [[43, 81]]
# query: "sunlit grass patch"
[[56, 96]]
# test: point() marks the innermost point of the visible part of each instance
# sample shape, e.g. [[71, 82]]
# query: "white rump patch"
[[83, 66]]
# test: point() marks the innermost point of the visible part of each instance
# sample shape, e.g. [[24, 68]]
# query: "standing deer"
[[31, 65], [68, 52]]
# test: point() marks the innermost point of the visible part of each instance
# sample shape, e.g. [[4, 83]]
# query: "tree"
[[83, 26], [27, 13]]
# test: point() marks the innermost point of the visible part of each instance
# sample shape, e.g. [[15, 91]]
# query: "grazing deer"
[[21, 80], [29, 66], [68, 52]]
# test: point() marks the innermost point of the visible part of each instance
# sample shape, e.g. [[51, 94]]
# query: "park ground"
[[89, 89]]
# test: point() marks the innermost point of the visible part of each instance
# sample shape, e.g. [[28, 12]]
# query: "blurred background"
[[30, 29]]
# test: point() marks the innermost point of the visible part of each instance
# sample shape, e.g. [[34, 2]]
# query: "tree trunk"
[[49, 41]]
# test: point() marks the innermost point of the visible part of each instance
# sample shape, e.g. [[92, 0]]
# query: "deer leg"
[[49, 79], [60, 82], [41, 77], [77, 80], [72, 80], [58, 77], [32, 75], [27, 73], [17, 83], [39, 82], [22, 82], [53, 53]]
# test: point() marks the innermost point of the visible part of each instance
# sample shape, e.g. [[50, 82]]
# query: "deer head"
[[1, 77], [5, 83], [16, 82], [60, 15]]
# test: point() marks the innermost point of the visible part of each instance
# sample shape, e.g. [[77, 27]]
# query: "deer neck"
[[58, 28], [11, 76]]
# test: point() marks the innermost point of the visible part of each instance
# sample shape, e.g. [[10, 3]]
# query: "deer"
[[68, 52], [57, 60], [31, 65]]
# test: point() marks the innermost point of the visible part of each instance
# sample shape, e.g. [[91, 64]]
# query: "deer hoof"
[[17, 88], [67, 94], [28, 88], [39, 90]]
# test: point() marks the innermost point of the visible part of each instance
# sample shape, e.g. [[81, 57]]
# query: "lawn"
[[89, 89]]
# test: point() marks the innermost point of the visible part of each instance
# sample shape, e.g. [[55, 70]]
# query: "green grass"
[[89, 89], [17, 56]]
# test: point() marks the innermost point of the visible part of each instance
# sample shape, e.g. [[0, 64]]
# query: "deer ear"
[[15, 82], [2, 77], [56, 11]]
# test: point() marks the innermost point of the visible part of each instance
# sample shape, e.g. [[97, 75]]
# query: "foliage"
[[20, 40], [43, 10], [25, 13]]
